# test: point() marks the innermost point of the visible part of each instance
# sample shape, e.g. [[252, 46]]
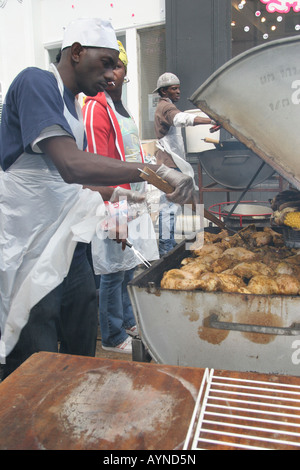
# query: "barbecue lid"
[[233, 165], [256, 97]]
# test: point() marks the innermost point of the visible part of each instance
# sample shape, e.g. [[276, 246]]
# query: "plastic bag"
[[107, 254]]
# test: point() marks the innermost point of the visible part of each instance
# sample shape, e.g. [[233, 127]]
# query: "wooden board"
[[62, 402]]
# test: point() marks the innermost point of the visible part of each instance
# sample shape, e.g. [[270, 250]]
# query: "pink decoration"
[[282, 6]]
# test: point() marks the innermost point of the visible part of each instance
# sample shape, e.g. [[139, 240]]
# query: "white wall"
[[29, 27], [123, 14]]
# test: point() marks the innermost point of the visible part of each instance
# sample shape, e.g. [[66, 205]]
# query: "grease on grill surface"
[[115, 409]]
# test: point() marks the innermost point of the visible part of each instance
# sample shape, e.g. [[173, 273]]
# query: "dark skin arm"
[[202, 120], [76, 166], [97, 174]]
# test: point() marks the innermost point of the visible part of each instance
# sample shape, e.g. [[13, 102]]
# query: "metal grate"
[[235, 413]]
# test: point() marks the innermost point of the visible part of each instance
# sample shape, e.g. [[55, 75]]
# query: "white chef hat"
[[90, 32], [165, 80]]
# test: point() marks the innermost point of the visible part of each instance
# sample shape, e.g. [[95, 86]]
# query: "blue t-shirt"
[[32, 103]]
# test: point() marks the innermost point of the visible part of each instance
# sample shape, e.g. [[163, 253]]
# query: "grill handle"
[[214, 322]]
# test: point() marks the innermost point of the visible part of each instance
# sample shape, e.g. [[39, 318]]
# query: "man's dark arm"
[[76, 166]]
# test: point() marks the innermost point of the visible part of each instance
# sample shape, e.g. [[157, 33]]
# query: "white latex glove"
[[183, 184], [131, 196]]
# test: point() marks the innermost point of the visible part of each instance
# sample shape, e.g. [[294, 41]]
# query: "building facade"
[[31, 33], [190, 38]]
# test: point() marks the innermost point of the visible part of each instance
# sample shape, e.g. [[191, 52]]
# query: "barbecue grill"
[[253, 97], [232, 165]]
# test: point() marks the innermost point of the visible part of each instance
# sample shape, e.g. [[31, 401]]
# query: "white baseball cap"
[[167, 79], [90, 32]]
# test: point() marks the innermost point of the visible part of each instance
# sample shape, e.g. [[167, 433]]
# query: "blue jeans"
[[68, 314], [115, 310], [167, 223]]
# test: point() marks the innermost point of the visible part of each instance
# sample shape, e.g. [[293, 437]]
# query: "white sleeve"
[[51, 131], [183, 120]]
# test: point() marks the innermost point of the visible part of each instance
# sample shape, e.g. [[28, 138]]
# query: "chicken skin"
[[248, 262]]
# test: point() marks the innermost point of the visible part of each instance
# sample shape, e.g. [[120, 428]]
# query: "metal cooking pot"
[[232, 164], [244, 213], [254, 211]]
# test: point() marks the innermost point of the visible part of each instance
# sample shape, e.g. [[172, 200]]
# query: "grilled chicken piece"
[[271, 255], [287, 285], [231, 283], [277, 238], [212, 250], [240, 254], [230, 242], [202, 260], [178, 280], [254, 238], [212, 282], [195, 269], [231, 257], [246, 233], [223, 264], [248, 270], [295, 260], [215, 237], [261, 239], [186, 261], [287, 268], [262, 285]]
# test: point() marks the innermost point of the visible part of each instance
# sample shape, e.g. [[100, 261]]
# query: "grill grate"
[[235, 413]]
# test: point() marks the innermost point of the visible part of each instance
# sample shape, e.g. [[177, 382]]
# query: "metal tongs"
[[138, 254]]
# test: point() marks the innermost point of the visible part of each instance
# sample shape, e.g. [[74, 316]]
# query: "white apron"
[[108, 256], [173, 144], [37, 243]]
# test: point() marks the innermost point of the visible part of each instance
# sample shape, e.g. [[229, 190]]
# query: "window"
[[152, 64], [252, 24], [52, 54]]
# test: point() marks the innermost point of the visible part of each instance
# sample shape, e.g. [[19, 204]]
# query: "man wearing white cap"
[[168, 123], [47, 290]]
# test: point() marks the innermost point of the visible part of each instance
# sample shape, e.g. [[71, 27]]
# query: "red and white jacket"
[[103, 132]]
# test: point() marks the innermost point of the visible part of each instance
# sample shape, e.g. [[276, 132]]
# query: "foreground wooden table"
[[56, 401], [61, 402]]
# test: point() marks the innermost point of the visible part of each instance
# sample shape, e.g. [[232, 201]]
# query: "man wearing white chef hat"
[[168, 122], [46, 283]]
